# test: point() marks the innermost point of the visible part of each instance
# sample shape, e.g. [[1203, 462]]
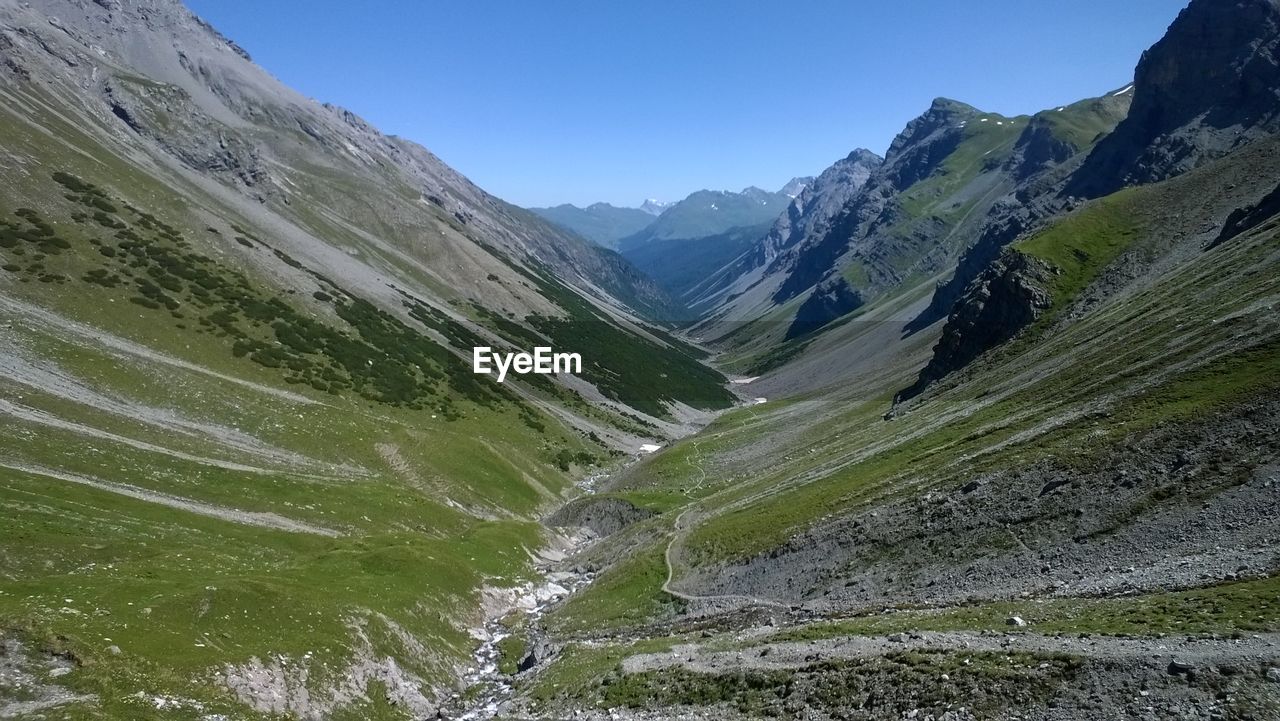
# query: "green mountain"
[[600, 223], [1001, 439], [680, 265], [1052, 500], [247, 469], [711, 212]]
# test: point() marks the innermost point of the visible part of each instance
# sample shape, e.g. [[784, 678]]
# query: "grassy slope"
[[843, 456], [429, 504], [835, 455], [964, 183]]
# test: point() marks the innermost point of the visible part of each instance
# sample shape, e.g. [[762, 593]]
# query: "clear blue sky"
[[550, 101]]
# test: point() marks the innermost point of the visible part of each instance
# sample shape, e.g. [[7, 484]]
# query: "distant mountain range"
[[1012, 385], [702, 214], [712, 212], [678, 244], [655, 207], [601, 223]]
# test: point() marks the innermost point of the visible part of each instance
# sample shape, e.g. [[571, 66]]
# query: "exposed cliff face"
[[1008, 296], [812, 212], [830, 300], [918, 152], [1244, 219], [1211, 84], [808, 217]]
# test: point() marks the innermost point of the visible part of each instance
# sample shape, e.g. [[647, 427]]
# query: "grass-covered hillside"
[[247, 469], [1108, 473]]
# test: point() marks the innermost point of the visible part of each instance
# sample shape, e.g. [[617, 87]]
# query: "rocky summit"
[[982, 426]]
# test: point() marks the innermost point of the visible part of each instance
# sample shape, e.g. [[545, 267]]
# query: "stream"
[[492, 689]]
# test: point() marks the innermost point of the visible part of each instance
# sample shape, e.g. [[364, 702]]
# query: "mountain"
[[948, 178], [795, 187], [1180, 119], [1072, 506], [1002, 438], [601, 223], [681, 265], [809, 214], [710, 212], [655, 207], [247, 467]]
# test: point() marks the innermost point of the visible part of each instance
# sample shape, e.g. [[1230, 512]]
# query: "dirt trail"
[[1192, 653], [677, 530], [96, 337], [249, 518], [37, 416]]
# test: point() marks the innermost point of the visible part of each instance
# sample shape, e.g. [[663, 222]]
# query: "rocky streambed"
[[488, 690]]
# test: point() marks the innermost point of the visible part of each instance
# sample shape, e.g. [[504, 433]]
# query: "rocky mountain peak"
[[942, 113], [655, 207], [864, 157], [795, 186], [926, 141], [1209, 85]]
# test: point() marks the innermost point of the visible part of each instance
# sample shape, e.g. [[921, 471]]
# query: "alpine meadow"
[[298, 423]]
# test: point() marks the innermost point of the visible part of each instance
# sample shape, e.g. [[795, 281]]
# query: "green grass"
[[671, 372], [1128, 358], [430, 480], [1081, 124], [926, 682], [511, 651], [579, 667], [180, 593], [985, 145], [630, 593], [1080, 246]]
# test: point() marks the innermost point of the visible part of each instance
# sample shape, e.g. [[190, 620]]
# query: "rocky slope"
[[1202, 91], [247, 472], [809, 214], [247, 469], [952, 177], [1067, 516]]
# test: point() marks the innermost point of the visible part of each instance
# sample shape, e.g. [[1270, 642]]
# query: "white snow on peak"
[[713, 206], [983, 120], [1122, 92], [1061, 109]]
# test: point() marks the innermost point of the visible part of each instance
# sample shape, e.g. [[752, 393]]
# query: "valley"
[[982, 428]]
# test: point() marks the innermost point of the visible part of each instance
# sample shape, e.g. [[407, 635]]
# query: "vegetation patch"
[[1081, 245], [628, 594]]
